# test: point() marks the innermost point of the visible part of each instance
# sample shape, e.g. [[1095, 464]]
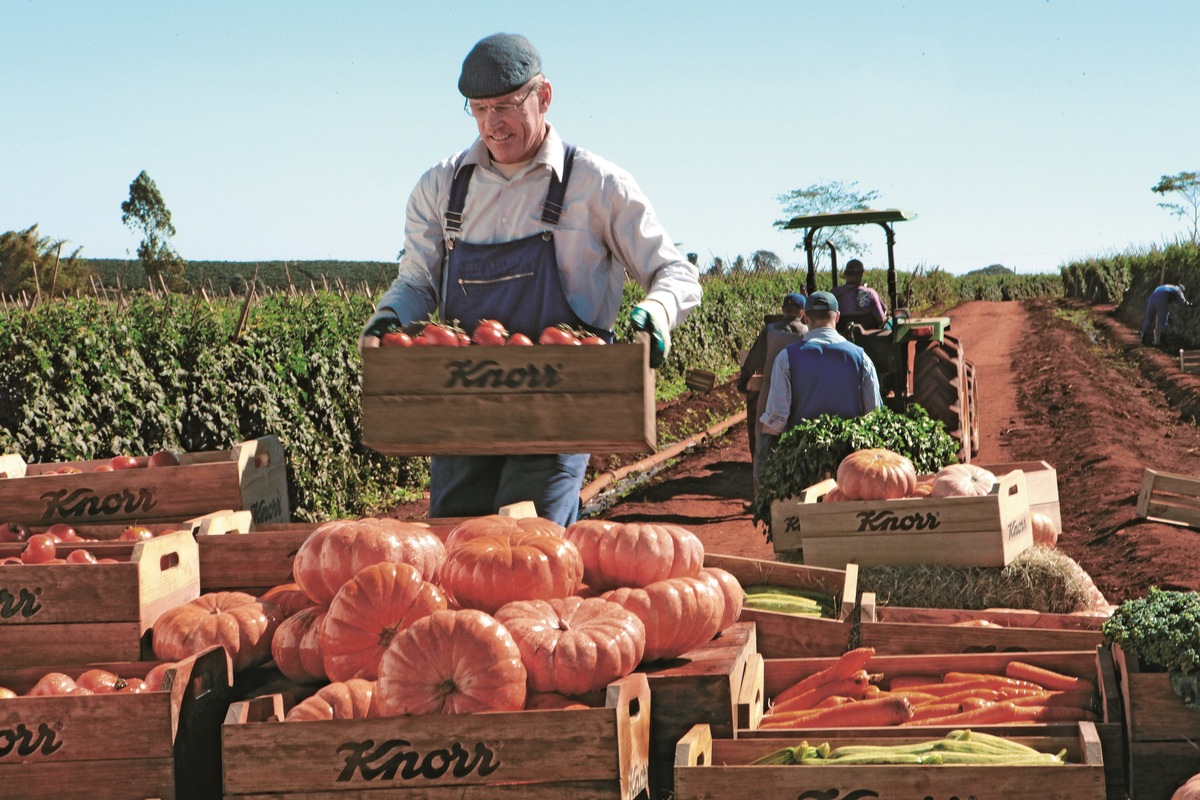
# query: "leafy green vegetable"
[[812, 450], [1162, 629]]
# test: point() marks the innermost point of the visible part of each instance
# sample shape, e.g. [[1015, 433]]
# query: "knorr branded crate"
[[709, 767], [987, 531], [599, 752], [76, 613], [481, 400], [781, 635], [124, 746], [1041, 479], [252, 475]]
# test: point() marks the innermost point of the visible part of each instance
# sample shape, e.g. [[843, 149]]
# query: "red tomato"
[[13, 532], [62, 532], [154, 678], [10, 561], [133, 686], [136, 533], [103, 468], [100, 681], [521, 339], [396, 339], [69, 471], [440, 335], [80, 557], [52, 683], [123, 462], [490, 333], [591, 339], [557, 335], [39, 549], [163, 458]]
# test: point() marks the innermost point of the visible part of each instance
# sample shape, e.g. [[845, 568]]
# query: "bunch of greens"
[[812, 451], [1162, 629]]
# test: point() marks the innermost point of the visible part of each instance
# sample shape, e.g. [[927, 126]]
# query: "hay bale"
[[1040, 579]]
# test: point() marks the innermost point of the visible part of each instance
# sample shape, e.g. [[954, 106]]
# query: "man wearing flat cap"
[[524, 228], [822, 374], [754, 379]]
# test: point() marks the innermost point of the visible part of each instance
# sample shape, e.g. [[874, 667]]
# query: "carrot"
[[1064, 698], [790, 719], [914, 697], [846, 666], [833, 700], [990, 713], [930, 710], [977, 692], [854, 686], [971, 703], [988, 679], [878, 713], [910, 681], [1047, 677], [945, 689]]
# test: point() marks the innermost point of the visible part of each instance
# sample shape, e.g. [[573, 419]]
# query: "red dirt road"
[[1059, 383]]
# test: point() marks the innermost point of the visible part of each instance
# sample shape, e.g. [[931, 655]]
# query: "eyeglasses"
[[500, 109]]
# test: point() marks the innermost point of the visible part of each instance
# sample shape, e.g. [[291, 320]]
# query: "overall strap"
[[458, 200], [553, 207]]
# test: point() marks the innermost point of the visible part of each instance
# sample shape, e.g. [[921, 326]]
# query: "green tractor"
[[917, 360]]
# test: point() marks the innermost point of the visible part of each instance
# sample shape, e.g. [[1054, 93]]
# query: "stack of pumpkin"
[[506, 614], [881, 474]]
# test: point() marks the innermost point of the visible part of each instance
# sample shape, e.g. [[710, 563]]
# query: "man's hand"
[[651, 317], [375, 329]]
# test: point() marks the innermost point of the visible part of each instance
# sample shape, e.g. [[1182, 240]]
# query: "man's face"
[[514, 132], [853, 277]]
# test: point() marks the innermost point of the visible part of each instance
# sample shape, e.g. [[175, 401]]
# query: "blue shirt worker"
[[524, 228], [1158, 310], [822, 374]]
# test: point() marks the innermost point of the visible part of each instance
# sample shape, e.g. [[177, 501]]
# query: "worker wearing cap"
[[1158, 310], [859, 302], [524, 228], [776, 334], [822, 374]]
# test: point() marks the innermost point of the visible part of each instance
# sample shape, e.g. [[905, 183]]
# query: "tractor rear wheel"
[[940, 386]]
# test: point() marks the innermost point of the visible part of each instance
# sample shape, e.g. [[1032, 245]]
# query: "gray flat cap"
[[498, 64]]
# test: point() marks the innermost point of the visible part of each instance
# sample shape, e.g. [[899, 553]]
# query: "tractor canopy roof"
[[859, 217]]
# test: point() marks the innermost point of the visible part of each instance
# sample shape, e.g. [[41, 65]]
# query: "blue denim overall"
[[517, 283]]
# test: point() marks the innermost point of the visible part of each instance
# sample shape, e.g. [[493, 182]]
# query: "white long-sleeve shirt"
[[608, 230]]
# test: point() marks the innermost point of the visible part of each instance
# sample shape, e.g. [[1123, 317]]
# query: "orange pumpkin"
[[573, 645], [487, 572], [924, 486], [962, 480], [635, 553], [876, 474], [680, 614], [452, 662], [289, 598], [731, 591], [335, 552], [352, 699], [496, 523], [296, 646], [367, 613], [834, 495], [1045, 532], [552, 701], [237, 621]]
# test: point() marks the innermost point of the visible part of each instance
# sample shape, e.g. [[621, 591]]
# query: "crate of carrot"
[[891, 695]]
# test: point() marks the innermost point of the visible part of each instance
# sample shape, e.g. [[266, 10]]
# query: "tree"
[[34, 264], [823, 198], [145, 211], [1187, 186], [765, 262]]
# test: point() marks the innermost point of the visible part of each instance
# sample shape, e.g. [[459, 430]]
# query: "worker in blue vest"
[[1158, 311], [821, 374]]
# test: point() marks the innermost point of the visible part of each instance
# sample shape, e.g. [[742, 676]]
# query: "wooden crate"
[[708, 767], [896, 630], [1189, 361], [1095, 665], [703, 685], [495, 400], [1163, 735], [787, 635], [76, 613], [595, 753], [163, 744], [252, 475], [1041, 480], [1169, 497], [987, 531]]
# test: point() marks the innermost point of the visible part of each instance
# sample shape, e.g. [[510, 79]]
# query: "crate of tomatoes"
[[434, 389]]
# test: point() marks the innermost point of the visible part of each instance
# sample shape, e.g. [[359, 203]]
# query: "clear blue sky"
[[1022, 132]]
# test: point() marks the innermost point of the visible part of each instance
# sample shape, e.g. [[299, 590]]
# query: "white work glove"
[[651, 316]]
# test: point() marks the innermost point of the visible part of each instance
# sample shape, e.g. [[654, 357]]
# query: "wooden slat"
[[1170, 498], [1189, 360], [110, 779]]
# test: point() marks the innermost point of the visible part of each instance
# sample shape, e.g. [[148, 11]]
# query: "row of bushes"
[[86, 379]]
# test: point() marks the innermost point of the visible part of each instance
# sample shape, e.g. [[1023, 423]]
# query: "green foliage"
[[145, 211], [812, 451], [822, 198], [1187, 186], [225, 277], [31, 263], [1162, 629]]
